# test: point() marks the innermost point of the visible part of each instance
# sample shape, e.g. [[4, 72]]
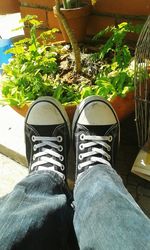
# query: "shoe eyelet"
[[79, 167], [61, 158], [34, 147], [108, 148], [80, 157], [59, 138], [60, 148], [81, 146], [62, 167], [33, 138], [110, 138], [33, 157], [109, 158], [82, 137]]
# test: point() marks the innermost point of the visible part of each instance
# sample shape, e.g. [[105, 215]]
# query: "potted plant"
[[75, 14], [41, 68], [118, 71]]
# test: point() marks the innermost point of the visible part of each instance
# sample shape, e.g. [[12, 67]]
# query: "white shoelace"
[[47, 155], [93, 142]]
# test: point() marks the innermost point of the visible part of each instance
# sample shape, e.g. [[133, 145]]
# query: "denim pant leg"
[[37, 214], [106, 216]]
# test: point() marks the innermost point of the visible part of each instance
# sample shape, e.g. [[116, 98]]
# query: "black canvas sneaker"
[[47, 136], [96, 134]]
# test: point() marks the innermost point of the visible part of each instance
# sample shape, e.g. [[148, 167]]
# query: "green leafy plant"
[[31, 71], [115, 44], [117, 74], [114, 81], [40, 67]]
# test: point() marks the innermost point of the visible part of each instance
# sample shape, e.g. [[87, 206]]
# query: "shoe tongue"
[[45, 130], [97, 129]]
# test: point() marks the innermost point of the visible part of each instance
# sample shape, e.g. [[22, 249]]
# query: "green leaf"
[[58, 92]]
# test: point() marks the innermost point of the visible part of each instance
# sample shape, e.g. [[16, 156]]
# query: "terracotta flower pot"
[[77, 19], [123, 107]]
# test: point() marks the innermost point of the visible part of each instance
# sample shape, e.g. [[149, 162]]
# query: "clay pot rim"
[[122, 111], [84, 10], [84, 6]]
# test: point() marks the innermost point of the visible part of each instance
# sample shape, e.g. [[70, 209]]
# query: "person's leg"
[[37, 214], [106, 216]]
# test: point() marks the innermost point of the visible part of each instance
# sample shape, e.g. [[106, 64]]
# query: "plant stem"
[[71, 36]]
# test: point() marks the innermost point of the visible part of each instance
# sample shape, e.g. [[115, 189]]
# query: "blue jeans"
[[38, 214]]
